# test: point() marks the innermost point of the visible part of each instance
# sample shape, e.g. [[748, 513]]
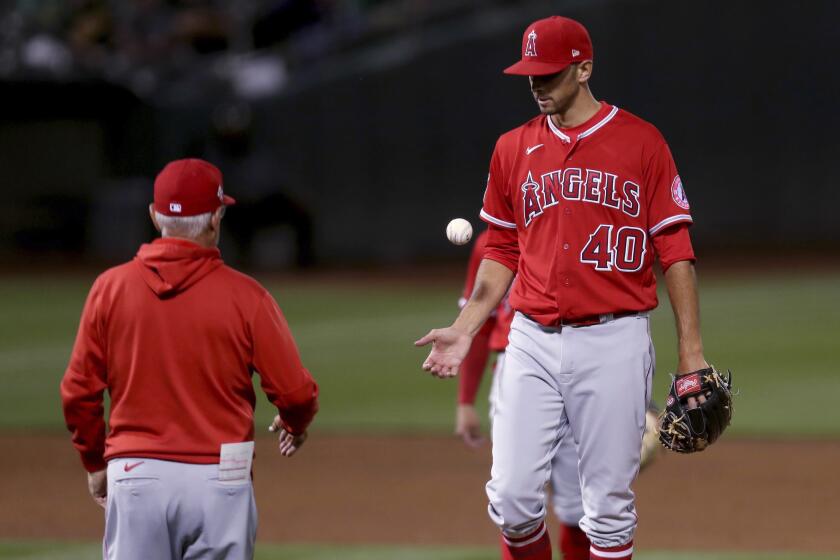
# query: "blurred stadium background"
[[351, 132]]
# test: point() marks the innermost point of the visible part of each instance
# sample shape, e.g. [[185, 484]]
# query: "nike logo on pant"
[[129, 468]]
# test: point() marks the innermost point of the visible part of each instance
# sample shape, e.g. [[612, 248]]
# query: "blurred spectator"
[[132, 42]]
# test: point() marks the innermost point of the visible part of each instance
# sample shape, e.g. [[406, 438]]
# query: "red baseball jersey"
[[585, 204]]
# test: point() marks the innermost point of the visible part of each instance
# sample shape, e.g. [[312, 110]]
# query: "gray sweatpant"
[[591, 384], [167, 511]]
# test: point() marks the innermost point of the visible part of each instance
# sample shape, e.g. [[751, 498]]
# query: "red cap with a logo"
[[550, 45], [189, 187]]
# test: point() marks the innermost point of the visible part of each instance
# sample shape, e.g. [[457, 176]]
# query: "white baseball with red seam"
[[459, 231]]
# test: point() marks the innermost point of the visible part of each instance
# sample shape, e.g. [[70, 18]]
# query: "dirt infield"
[[757, 495]]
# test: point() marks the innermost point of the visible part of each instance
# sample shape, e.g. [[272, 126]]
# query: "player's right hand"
[[468, 426], [287, 443], [449, 347]]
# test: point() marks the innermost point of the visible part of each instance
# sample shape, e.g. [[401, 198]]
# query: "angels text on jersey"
[[591, 186]]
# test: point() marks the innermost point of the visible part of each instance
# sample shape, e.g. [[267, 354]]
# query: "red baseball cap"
[[189, 187], [550, 45]]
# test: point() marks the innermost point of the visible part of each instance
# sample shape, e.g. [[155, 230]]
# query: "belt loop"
[[606, 317]]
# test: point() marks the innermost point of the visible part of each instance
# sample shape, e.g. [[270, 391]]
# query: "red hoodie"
[[174, 336]]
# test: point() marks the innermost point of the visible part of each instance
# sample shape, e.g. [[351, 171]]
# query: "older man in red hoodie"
[[174, 336]]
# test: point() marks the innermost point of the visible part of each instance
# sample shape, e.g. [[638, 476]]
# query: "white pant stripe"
[[533, 539], [619, 554]]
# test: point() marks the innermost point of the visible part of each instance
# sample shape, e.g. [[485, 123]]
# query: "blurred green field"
[[68, 551], [778, 333]]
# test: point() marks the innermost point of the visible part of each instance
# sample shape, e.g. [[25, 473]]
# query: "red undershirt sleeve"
[[503, 246], [673, 245]]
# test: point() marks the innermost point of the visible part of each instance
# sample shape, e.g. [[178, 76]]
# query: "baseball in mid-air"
[[459, 231]]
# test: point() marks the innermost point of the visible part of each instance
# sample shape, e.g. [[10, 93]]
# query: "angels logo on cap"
[[531, 47]]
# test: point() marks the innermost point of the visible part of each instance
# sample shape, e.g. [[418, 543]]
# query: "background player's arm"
[[467, 423], [450, 345]]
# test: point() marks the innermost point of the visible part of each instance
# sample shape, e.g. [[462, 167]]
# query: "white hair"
[[189, 227]]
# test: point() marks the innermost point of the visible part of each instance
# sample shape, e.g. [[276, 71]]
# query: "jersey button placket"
[[563, 256], [571, 148]]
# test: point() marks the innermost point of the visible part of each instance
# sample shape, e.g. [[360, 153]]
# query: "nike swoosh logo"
[[129, 468], [532, 148]]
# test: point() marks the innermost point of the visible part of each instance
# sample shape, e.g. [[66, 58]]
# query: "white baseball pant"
[[565, 481], [172, 511], [589, 384]]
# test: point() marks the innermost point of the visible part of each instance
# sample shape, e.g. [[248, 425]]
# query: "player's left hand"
[[686, 430], [468, 426], [449, 347], [98, 486], [687, 365]]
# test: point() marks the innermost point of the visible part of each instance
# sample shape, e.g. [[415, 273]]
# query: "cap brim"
[[534, 68], [228, 200]]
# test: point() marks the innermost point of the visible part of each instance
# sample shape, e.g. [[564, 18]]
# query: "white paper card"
[[235, 461]]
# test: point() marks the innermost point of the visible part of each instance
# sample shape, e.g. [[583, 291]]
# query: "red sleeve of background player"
[[666, 200], [472, 268], [84, 383], [474, 364], [288, 385], [673, 244]]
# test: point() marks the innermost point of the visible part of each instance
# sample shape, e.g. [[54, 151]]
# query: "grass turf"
[[777, 333], [44, 550]]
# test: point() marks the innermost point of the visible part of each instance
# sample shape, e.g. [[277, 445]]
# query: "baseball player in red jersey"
[[174, 336], [579, 201]]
